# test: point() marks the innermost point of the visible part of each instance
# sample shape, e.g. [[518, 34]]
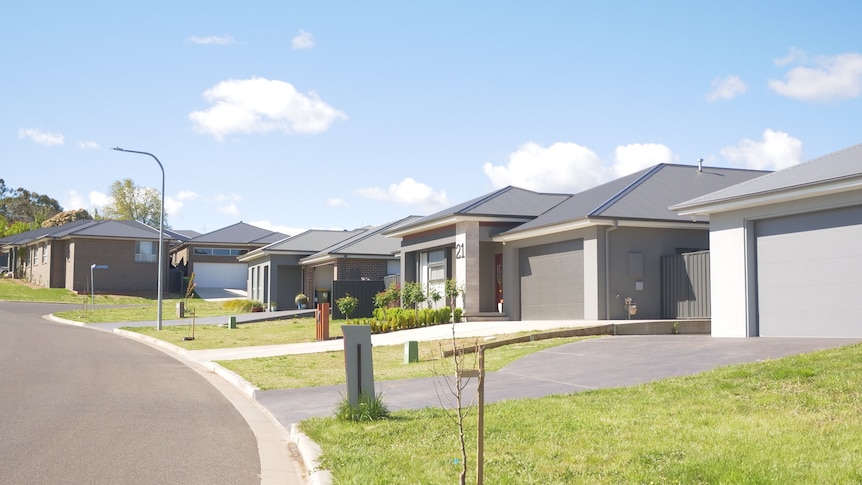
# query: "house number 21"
[[459, 251]]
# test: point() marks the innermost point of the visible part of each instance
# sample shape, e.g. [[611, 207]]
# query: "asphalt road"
[[84, 406]]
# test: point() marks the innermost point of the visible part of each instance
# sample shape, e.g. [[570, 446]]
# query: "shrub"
[[243, 306], [370, 408], [347, 305], [458, 312]]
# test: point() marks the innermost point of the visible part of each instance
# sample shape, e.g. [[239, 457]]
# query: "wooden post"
[[480, 435]]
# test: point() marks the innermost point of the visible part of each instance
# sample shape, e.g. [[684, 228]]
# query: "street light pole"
[[161, 232]]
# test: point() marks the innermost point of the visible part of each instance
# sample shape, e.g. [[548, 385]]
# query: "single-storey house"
[[212, 256], [525, 255], [121, 256], [786, 250], [314, 259]]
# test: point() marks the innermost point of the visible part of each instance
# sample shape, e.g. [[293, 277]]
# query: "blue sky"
[[297, 115]]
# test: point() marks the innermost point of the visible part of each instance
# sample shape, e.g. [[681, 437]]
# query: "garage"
[[221, 275], [552, 280], [809, 274]]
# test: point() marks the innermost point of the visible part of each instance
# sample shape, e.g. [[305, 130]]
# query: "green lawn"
[[18, 290], [286, 331], [794, 420], [327, 368], [144, 310]]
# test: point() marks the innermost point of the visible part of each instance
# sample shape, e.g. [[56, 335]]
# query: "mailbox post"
[[94, 266]]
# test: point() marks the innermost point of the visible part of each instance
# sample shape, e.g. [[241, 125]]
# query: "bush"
[[370, 408], [458, 313], [243, 306]]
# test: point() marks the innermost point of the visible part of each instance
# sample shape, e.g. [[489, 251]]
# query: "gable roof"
[[835, 172], [369, 243], [303, 244], [99, 229], [508, 203], [641, 196], [239, 233]]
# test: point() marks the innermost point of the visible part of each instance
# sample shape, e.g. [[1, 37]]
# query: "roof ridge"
[[487, 197], [626, 190]]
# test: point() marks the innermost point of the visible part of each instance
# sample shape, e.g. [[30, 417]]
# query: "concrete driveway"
[[221, 294], [588, 364]]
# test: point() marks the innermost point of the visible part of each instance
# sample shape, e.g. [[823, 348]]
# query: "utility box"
[[411, 352], [181, 309], [231, 323]]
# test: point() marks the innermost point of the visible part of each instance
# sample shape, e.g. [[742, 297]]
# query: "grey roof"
[[310, 241], [843, 164], [239, 233], [643, 195], [87, 228], [369, 242], [182, 234], [506, 202]]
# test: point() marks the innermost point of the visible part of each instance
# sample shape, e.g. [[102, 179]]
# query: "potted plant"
[[301, 301]]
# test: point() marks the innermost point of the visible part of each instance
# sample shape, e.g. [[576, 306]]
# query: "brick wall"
[[351, 269]]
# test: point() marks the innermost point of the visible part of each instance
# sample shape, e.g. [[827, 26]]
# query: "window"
[[146, 251], [436, 273], [44, 254], [219, 252]]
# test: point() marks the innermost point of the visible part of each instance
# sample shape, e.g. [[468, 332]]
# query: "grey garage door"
[[809, 274], [552, 281]]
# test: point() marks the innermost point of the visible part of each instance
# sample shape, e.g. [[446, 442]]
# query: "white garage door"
[[221, 275], [552, 281], [809, 274]]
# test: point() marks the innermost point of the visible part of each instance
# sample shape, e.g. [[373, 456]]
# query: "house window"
[[436, 273], [219, 252], [44, 254], [146, 251]]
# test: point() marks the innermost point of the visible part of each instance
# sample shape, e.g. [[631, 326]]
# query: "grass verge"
[[793, 420], [144, 310], [19, 290], [288, 331], [327, 368]]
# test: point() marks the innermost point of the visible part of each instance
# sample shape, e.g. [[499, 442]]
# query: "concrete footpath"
[[612, 361]]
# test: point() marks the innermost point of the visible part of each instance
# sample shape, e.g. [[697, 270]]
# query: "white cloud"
[[229, 209], [303, 41], [98, 199], [173, 206], [562, 167], [41, 137], [259, 105], [793, 55], [286, 230], [828, 78], [336, 202], [631, 158], [777, 150], [187, 195], [212, 40], [74, 200], [571, 168], [726, 88], [407, 192], [88, 145]]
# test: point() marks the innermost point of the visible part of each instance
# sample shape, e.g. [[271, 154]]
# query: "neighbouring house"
[[524, 255], [120, 256], [315, 259], [786, 250], [212, 256]]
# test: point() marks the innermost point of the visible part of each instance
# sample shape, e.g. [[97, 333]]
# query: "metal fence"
[[685, 285], [364, 291]]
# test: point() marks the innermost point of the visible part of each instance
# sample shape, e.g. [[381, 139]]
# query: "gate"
[[363, 290], [685, 288]]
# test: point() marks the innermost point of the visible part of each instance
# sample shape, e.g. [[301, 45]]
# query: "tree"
[[347, 305], [133, 203], [21, 205], [66, 217]]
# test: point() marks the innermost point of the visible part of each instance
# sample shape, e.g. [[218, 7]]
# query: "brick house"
[[125, 253]]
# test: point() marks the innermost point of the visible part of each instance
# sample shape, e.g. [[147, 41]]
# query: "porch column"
[[466, 256]]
